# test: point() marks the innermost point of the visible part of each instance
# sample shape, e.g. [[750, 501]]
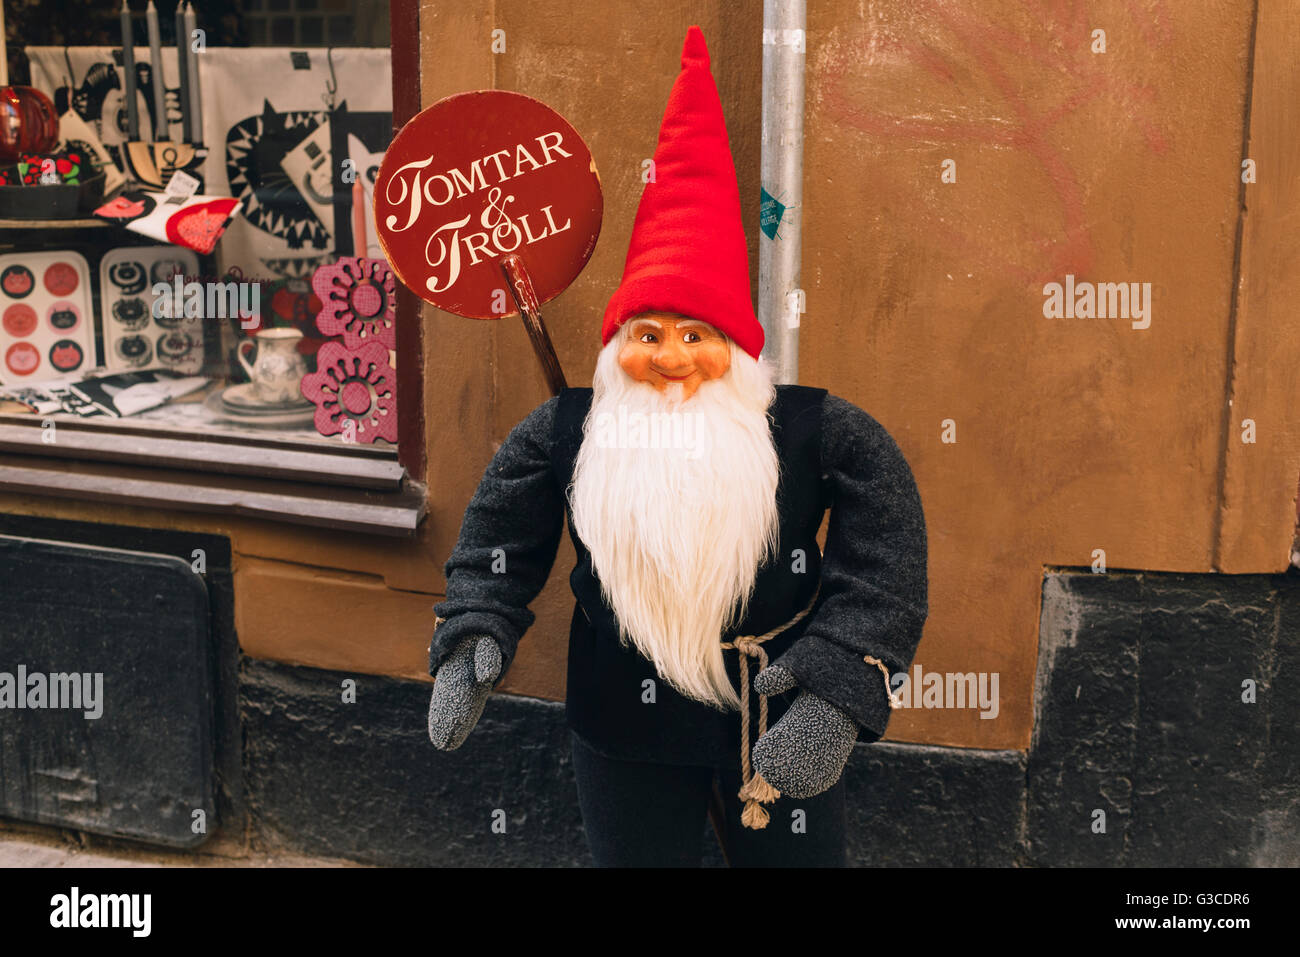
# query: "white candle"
[[192, 65], [159, 84], [128, 75], [182, 73]]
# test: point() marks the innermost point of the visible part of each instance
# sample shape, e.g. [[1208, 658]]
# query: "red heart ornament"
[[198, 227]]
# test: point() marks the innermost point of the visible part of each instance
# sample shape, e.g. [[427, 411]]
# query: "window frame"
[[297, 481], [404, 24]]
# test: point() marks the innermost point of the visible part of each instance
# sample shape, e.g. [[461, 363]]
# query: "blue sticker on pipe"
[[770, 211]]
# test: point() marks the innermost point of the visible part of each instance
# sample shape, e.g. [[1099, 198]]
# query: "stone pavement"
[[23, 845]]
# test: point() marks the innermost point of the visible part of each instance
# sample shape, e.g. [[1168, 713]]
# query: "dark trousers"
[[640, 814]]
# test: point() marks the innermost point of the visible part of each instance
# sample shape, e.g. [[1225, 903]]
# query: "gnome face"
[[669, 350]]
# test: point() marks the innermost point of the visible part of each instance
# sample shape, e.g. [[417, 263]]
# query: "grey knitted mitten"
[[461, 689], [805, 752]]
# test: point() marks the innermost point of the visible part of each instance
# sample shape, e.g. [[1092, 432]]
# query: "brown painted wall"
[[925, 299], [924, 304], [1072, 434]]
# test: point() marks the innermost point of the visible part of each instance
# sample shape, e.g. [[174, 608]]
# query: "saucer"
[[242, 399], [301, 418]]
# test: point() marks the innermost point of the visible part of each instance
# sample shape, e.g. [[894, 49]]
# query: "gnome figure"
[[714, 647]]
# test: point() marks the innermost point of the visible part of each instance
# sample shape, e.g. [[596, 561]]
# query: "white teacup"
[[278, 368]]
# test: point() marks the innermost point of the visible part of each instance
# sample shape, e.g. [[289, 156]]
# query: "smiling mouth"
[[675, 378]]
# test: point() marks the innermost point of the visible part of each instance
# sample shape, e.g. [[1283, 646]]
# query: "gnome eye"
[[647, 337], [692, 337]]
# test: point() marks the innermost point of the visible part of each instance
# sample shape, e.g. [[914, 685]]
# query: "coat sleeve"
[[873, 580], [507, 544]]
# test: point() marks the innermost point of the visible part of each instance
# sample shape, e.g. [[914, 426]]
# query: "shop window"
[[196, 283]]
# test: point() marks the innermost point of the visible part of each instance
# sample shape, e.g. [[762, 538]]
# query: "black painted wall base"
[[105, 691], [1139, 716], [89, 629]]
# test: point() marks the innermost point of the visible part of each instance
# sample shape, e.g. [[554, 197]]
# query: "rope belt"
[[754, 790]]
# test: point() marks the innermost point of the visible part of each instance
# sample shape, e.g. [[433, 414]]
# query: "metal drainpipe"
[[780, 299]]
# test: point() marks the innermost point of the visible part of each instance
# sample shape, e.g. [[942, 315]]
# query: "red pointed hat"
[[688, 252]]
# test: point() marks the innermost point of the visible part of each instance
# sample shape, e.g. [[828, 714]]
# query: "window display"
[[192, 252]]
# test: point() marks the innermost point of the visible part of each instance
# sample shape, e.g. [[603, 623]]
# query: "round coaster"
[[17, 281], [135, 351], [64, 316], [66, 355], [127, 276], [131, 313], [19, 320], [61, 279], [22, 358]]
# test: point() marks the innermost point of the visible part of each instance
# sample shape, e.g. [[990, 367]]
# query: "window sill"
[[335, 464], [395, 513]]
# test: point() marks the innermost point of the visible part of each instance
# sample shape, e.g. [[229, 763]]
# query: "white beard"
[[677, 533]]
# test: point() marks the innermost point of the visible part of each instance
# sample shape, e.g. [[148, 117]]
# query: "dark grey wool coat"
[[872, 579]]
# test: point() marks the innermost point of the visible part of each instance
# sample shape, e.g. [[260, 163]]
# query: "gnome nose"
[[672, 359]]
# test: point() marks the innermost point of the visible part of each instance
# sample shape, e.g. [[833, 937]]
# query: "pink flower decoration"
[[358, 301], [357, 387]]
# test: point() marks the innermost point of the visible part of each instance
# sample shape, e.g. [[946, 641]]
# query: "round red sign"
[[479, 176]]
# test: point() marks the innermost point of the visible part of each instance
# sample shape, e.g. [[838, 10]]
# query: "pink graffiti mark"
[[1063, 46]]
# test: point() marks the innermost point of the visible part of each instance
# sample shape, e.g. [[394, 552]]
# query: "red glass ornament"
[[28, 123]]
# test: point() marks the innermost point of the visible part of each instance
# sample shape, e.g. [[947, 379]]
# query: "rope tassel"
[[755, 791], [754, 817]]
